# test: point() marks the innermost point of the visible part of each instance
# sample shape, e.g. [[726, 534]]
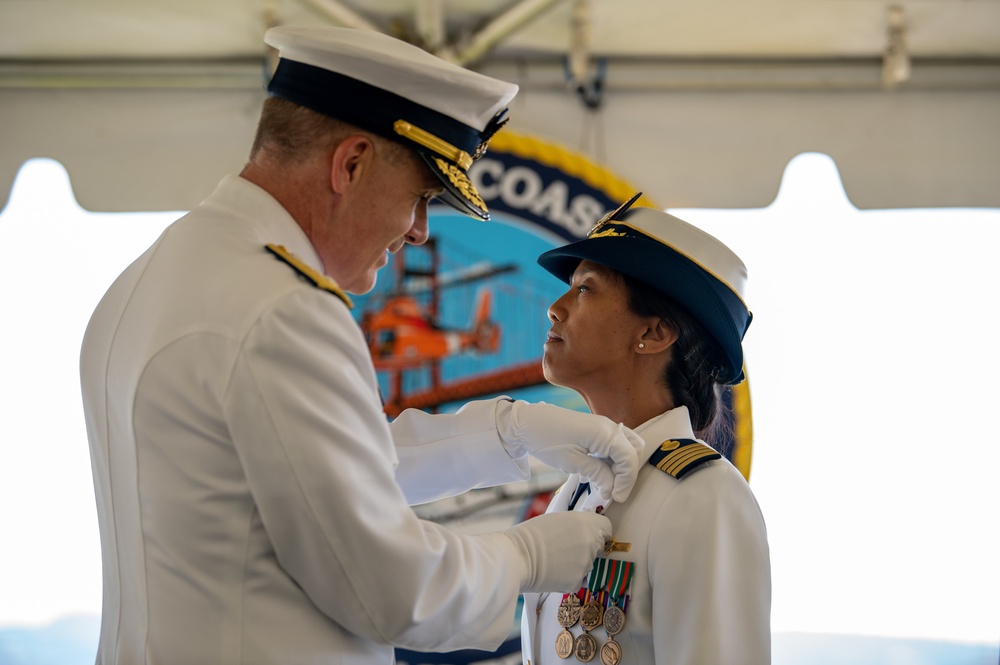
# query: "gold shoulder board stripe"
[[678, 457], [312, 275]]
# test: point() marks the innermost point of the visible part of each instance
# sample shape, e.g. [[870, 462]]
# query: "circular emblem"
[[585, 648], [614, 620], [611, 653]]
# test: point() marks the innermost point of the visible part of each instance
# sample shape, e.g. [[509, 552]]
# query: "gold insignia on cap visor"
[[461, 183], [433, 143], [398, 91], [613, 215], [701, 249], [606, 233]]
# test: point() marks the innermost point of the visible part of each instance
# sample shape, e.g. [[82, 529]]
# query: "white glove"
[[558, 549], [600, 450]]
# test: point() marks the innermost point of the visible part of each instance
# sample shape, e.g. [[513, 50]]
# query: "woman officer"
[[648, 333]]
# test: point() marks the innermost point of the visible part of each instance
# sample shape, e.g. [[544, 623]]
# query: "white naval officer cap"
[[691, 267], [398, 91]]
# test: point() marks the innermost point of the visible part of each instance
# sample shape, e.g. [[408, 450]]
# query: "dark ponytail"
[[692, 375]]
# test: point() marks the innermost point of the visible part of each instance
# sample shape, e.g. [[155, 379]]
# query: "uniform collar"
[[265, 216], [674, 424]]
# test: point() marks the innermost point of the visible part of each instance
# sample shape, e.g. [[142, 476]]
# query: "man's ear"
[[658, 336], [352, 159]]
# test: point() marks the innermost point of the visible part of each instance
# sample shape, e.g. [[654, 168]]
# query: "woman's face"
[[591, 344]]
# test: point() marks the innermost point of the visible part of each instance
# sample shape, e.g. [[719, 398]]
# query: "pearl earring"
[[641, 345]]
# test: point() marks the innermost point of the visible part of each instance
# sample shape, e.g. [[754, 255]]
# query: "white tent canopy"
[[698, 103]]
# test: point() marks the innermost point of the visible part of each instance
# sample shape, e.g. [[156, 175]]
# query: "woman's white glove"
[[603, 452], [558, 549]]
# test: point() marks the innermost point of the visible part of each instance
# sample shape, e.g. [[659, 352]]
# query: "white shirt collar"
[[268, 218], [674, 424]]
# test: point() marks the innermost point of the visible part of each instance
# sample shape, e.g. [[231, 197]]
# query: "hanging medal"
[[619, 579], [568, 615], [592, 614]]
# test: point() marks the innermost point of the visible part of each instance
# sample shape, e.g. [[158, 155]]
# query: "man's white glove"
[[600, 450], [558, 549]]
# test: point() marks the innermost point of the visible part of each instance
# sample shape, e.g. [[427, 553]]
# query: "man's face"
[[388, 211]]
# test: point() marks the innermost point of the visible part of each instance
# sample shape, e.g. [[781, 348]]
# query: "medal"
[[614, 620], [569, 611], [611, 652], [592, 613], [585, 648], [564, 644], [567, 616], [607, 582], [619, 578]]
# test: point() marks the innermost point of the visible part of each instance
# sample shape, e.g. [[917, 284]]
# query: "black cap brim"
[[459, 192]]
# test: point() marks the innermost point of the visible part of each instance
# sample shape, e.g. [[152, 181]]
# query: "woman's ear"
[[351, 159], [657, 336]]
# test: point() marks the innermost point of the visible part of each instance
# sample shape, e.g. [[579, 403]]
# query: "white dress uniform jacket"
[[246, 475], [701, 591]]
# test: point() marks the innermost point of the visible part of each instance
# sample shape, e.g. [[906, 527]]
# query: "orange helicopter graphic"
[[403, 334], [409, 345]]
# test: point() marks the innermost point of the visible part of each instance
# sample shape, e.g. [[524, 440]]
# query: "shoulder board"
[[313, 276], [678, 457]]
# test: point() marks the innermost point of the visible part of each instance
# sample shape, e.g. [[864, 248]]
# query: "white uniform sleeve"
[[710, 573], [442, 455], [307, 423]]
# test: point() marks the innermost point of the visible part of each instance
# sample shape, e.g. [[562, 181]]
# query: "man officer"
[[252, 498]]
